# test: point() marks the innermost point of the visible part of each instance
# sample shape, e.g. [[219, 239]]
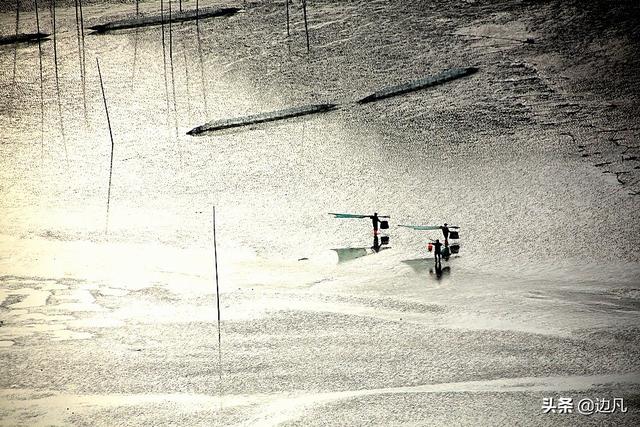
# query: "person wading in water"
[[445, 231], [437, 252], [376, 222]]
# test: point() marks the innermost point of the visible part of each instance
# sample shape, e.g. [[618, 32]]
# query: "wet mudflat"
[[121, 328]]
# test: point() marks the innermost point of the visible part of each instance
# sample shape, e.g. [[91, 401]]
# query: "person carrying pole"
[[445, 231], [375, 220]]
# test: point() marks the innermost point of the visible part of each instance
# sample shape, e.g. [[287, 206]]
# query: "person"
[[437, 252], [376, 221], [445, 231]]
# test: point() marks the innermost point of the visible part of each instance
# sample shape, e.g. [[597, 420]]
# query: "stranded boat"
[[262, 118], [445, 76], [159, 19]]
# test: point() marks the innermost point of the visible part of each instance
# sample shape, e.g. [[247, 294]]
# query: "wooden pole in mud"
[[81, 63], [170, 33], [173, 80], [135, 50], [186, 75], [84, 67], [306, 27], [104, 99], [215, 261], [15, 45], [287, 3], [41, 83], [55, 60], [79, 41], [204, 87], [164, 61], [135, 58]]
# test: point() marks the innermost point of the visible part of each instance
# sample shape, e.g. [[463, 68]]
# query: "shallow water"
[[528, 208], [549, 243]]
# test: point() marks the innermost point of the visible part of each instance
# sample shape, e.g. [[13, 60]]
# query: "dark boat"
[[262, 118], [445, 76], [150, 20]]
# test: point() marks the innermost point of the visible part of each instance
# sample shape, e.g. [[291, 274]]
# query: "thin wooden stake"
[[135, 58], [186, 75], [215, 258], [306, 27], [84, 67], [79, 44], [135, 49], [204, 87], [15, 46], [106, 109], [41, 84], [287, 3], [164, 61], [55, 60], [173, 80]]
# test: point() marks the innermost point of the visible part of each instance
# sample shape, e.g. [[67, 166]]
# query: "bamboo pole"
[[55, 60], [84, 66], [306, 27], [173, 80], [215, 260], [106, 109], [55, 41], [287, 3], [135, 58], [41, 83], [186, 75], [204, 87], [164, 61], [170, 33], [79, 43], [15, 46]]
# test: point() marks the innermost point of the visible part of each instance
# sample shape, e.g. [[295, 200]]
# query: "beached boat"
[[262, 118], [159, 19], [445, 76]]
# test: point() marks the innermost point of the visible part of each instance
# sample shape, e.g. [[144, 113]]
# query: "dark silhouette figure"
[[445, 231], [437, 252], [375, 220], [377, 224]]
